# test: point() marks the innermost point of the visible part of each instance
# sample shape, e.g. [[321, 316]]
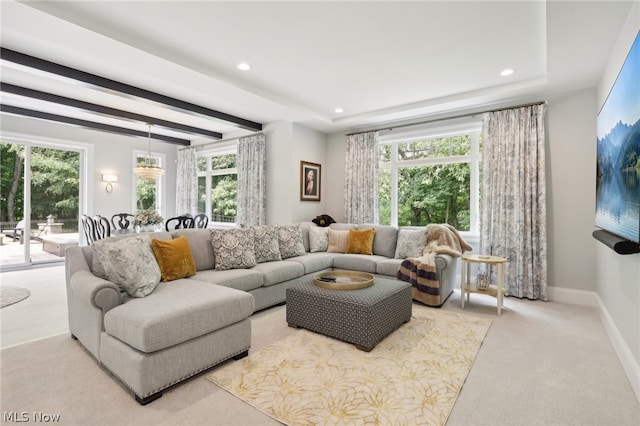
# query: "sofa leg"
[[74, 337], [242, 355], [148, 399]]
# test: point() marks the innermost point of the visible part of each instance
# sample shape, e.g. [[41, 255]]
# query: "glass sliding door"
[[39, 203]]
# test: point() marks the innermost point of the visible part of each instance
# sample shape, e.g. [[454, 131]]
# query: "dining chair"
[[200, 221], [122, 221], [178, 222], [102, 227], [89, 229]]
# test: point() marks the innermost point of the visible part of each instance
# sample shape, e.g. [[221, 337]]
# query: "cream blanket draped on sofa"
[[420, 272]]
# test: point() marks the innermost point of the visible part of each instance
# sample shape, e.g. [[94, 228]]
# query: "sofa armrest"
[[98, 292]]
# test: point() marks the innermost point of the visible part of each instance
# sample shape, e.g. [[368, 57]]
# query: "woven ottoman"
[[363, 317]]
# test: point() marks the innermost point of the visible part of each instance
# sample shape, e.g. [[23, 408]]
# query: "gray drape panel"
[[513, 213], [187, 182], [251, 164], [361, 178]]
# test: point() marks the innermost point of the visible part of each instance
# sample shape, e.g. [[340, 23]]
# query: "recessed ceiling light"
[[507, 71], [339, 110], [244, 66]]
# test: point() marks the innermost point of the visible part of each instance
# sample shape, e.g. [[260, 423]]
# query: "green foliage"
[[438, 193], [55, 182], [146, 191], [223, 195]]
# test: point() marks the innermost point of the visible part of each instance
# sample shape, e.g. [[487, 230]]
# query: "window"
[[148, 194], [218, 184], [430, 176]]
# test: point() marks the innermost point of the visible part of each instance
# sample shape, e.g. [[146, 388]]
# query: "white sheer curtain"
[[361, 178], [187, 182], [251, 164], [513, 213]]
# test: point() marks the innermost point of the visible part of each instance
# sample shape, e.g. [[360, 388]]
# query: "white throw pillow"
[[128, 262], [318, 239], [410, 243]]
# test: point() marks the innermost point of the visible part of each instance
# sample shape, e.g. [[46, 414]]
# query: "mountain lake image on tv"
[[618, 153]]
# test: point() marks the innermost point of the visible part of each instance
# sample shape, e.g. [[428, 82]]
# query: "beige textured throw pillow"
[[337, 241]]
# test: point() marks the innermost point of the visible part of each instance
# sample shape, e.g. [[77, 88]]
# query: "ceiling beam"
[[68, 72], [100, 109], [9, 109]]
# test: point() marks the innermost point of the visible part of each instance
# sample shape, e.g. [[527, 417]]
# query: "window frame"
[[394, 138], [220, 150]]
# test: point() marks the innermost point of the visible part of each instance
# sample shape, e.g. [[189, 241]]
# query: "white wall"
[[287, 145], [336, 152], [618, 277], [571, 159]]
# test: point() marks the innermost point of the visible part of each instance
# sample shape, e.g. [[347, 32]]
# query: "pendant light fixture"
[[148, 170]]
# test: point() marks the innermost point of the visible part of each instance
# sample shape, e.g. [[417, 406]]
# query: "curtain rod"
[[221, 140], [435, 120]]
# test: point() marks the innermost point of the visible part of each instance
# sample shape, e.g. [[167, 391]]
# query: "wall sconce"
[[109, 179]]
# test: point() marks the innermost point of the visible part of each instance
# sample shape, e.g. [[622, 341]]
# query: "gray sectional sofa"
[[190, 324]]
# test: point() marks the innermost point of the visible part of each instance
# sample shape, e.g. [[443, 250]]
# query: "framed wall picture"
[[310, 181]]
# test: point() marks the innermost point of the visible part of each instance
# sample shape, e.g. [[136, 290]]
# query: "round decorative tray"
[[343, 280]]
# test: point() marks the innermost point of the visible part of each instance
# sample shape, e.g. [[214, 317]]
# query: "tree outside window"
[[430, 180], [218, 186]]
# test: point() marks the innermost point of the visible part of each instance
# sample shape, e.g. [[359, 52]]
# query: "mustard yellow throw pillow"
[[360, 241], [174, 258]]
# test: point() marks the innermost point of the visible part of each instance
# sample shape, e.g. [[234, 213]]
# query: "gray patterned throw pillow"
[[410, 243], [318, 239], [233, 248], [290, 241], [129, 263], [266, 245]]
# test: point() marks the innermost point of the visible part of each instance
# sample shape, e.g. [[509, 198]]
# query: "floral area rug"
[[412, 377]]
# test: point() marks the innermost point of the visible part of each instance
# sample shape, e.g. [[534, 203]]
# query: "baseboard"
[[572, 296], [591, 298], [629, 363]]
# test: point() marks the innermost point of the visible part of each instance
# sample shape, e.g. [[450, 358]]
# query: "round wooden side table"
[[467, 287]]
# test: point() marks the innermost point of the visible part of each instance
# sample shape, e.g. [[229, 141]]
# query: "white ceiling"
[[380, 62]]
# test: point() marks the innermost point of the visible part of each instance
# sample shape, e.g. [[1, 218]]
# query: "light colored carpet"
[[11, 295], [412, 377]]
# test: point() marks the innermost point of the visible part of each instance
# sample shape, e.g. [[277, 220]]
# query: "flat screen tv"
[[618, 153]]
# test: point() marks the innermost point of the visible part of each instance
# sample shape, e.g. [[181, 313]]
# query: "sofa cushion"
[[128, 262], [233, 248], [357, 262], [360, 241], [410, 243], [385, 240], [290, 240], [388, 267], [337, 240], [318, 239], [266, 245], [174, 258], [201, 247], [176, 312], [278, 272], [314, 262], [240, 279]]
